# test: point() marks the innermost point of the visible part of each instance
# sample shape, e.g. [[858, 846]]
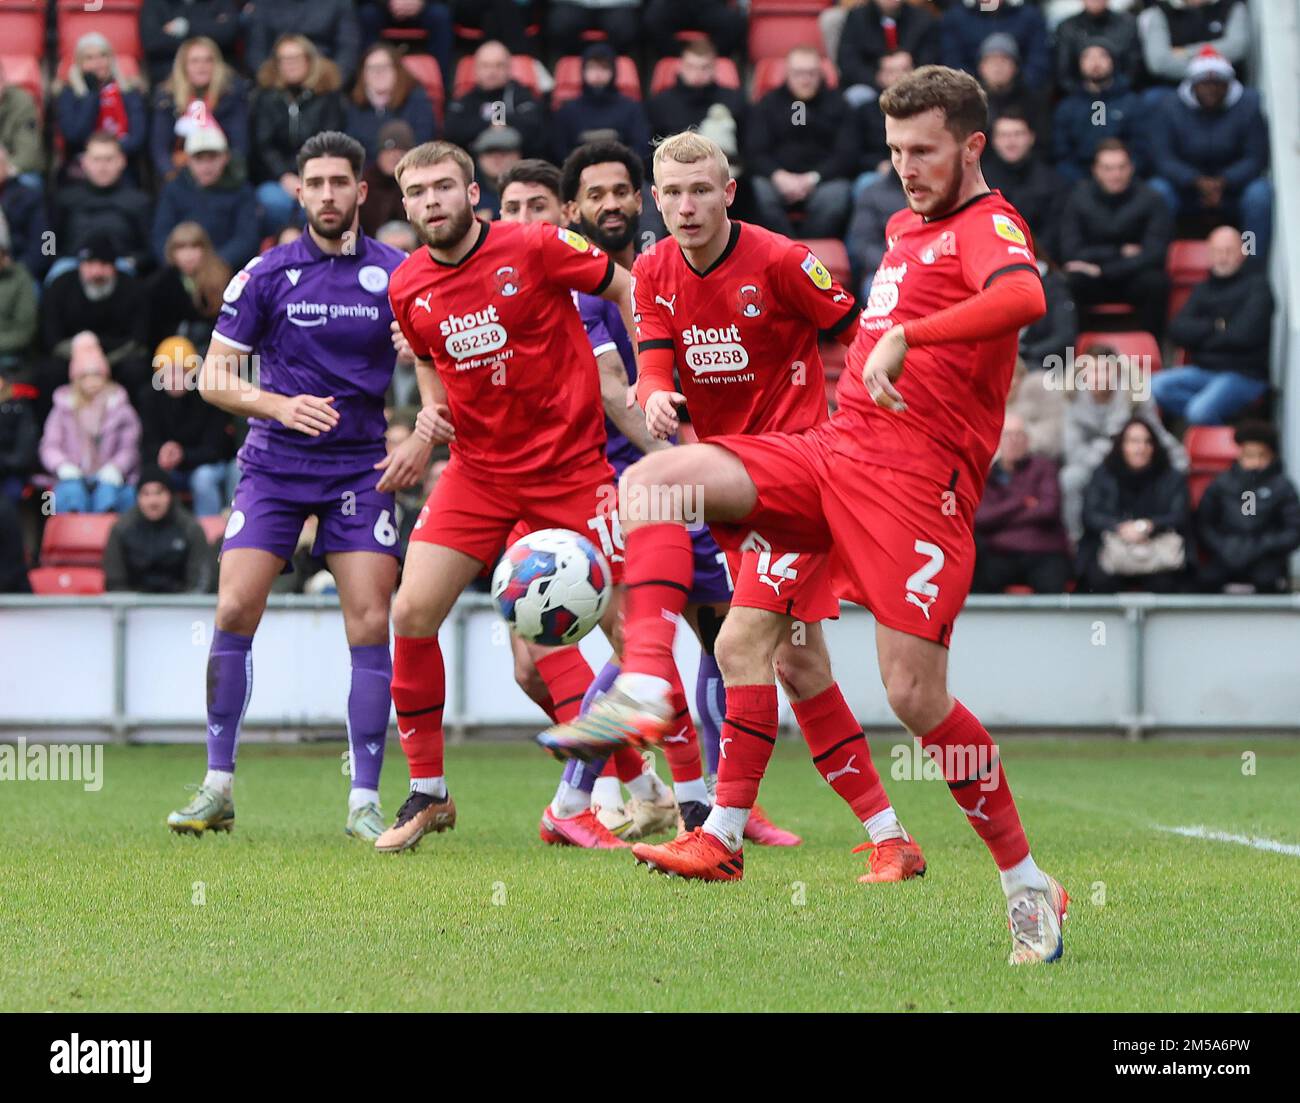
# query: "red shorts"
[[899, 544], [481, 518], [766, 574]]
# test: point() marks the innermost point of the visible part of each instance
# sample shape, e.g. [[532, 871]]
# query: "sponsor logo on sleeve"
[[1007, 230], [816, 271], [236, 286], [573, 240]]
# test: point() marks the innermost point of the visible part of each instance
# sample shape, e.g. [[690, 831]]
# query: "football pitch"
[[102, 909]]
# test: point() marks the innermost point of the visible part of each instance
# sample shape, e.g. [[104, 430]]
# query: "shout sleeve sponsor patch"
[[816, 271], [573, 240], [1007, 230]]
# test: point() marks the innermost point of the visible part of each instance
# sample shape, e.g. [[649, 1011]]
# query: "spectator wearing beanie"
[[968, 23], [385, 92], [201, 89], [166, 26], [1098, 21], [1019, 538], [210, 190], [600, 110], [156, 547], [384, 196], [1003, 83], [1225, 326], [1248, 522], [95, 98], [1101, 104], [91, 441], [1209, 146]]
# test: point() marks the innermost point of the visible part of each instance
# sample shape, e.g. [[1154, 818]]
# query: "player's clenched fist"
[[308, 414], [432, 424], [661, 413], [884, 365], [404, 466]]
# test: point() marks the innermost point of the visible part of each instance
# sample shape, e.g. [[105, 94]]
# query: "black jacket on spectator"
[[1113, 496], [13, 564], [471, 114], [826, 142], [202, 430], [214, 19], [1078, 127], [1095, 224], [1033, 188], [282, 120], [231, 114], [1249, 545], [862, 41], [872, 148], [116, 320], [227, 210], [681, 107], [1056, 330], [24, 213], [18, 439], [167, 556], [1244, 303], [1118, 28], [171, 311], [600, 109], [122, 211], [330, 24]]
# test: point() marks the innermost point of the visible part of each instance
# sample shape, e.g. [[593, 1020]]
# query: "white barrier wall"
[[135, 667]]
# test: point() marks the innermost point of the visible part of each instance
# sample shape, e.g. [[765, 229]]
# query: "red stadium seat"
[[666, 68], [66, 580], [25, 73], [1135, 342], [76, 539], [116, 20], [428, 73], [1211, 450], [568, 79], [831, 252], [770, 73], [788, 7], [521, 69], [214, 527], [772, 36], [1188, 263], [22, 29]]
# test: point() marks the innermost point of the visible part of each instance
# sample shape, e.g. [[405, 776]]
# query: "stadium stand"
[[568, 79]]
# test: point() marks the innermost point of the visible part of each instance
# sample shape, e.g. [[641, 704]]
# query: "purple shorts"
[[269, 511], [712, 583]]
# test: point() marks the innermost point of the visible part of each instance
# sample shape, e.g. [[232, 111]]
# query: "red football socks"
[[840, 752], [419, 690], [747, 741], [658, 576], [567, 675], [681, 746], [973, 770]]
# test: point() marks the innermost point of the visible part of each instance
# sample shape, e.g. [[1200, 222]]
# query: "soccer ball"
[[552, 587]]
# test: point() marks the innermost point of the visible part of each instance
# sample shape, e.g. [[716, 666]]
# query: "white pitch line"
[[1256, 842]]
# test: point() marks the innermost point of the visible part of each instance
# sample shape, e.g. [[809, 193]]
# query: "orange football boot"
[[696, 855], [892, 860]]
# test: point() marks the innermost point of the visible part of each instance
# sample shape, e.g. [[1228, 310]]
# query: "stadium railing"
[[131, 667]]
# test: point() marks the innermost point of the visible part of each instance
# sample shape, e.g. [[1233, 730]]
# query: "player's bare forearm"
[[223, 385], [628, 419], [432, 392]]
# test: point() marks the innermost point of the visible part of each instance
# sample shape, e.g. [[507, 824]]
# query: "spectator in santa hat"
[[1209, 147]]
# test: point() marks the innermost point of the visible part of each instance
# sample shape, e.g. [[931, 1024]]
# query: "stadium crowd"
[[147, 152]]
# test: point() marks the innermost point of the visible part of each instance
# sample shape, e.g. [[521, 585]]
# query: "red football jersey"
[[956, 393], [744, 332], [510, 348]]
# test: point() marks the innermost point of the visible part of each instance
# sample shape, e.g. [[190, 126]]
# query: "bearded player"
[[889, 486], [739, 309], [507, 377], [315, 313]]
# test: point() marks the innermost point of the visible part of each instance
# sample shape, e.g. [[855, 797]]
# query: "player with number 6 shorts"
[[312, 320], [507, 378], [738, 309]]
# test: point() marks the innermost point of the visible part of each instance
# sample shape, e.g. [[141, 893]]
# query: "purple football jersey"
[[606, 332], [318, 324]]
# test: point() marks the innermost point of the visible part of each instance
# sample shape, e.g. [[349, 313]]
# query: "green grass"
[[97, 911]]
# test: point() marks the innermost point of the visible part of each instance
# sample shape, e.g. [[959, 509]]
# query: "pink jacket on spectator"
[[68, 437]]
